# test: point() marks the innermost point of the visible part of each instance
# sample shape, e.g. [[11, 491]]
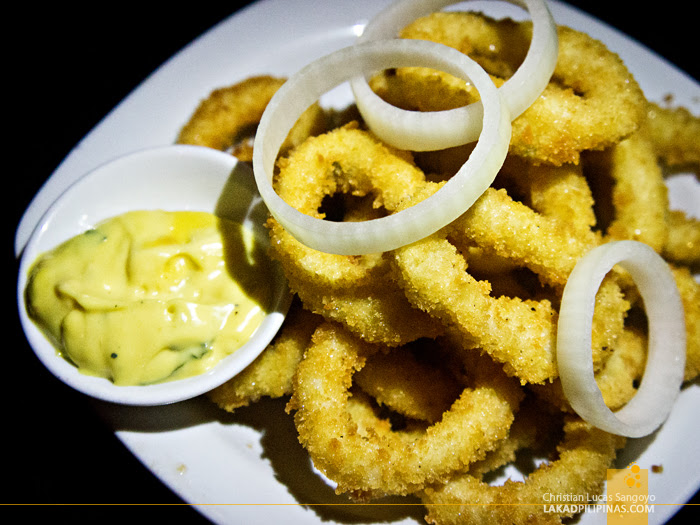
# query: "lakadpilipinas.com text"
[[615, 503]]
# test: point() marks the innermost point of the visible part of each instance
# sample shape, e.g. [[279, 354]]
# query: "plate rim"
[[558, 9]]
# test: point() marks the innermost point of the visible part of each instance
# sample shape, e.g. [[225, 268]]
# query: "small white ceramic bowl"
[[168, 178]]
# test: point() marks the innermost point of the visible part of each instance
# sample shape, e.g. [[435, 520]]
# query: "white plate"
[[248, 467]]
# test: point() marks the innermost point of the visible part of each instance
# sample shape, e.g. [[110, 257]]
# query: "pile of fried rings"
[[424, 370]]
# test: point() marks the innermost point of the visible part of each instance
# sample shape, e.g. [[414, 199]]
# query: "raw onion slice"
[[416, 222], [519, 92], [663, 373]]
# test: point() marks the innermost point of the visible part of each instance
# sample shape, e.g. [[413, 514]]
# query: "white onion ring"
[[519, 91], [410, 225], [663, 374]]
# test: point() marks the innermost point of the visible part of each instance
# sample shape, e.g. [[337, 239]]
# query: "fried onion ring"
[[460, 125], [371, 419], [490, 223], [357, 291], [518, 333], [584, 456], [376, 464], [407, 225], [560, 208], [618, 379], [683, 241], [675, 133], [405, 382], [515, 231], [663, 373], [591, 102], [561, 193], [534, 428], [229, 114], [639, 194]]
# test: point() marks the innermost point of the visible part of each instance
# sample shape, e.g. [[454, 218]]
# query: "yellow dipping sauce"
[[151, 296]]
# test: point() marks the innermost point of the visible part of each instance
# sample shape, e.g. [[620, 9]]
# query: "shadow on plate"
[[291, 463], [636, 447], [310, 488], [280, 446]]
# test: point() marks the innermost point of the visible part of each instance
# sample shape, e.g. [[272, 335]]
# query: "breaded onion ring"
[[618, 379], [675, 133], [584, 456], [515, 231], [372, 464], [560, 193], [229, 111], [548, 243], [534, 428], [408, 385], [357, 291], [223, 119], [591, 102], [270, 375], [461, 125], [639, 195], [683, 241], [371, 419], [520, 334], [663, 373], [413, 223]]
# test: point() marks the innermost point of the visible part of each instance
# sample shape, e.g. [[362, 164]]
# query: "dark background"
[[68, 67]]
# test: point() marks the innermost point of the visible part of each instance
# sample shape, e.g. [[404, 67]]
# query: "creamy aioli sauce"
[[151, 296]]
